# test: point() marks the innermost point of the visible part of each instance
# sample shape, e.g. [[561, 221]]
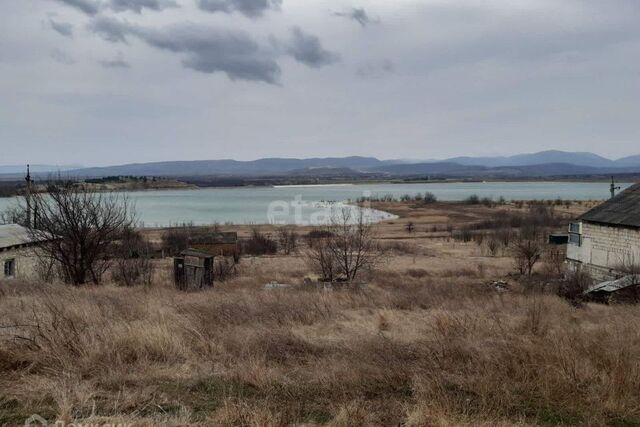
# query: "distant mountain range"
[[548, 157], [261, 167], [541, 164], [20, 169]]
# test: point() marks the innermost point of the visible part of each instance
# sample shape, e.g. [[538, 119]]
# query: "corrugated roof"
[[614, 285], [14, 235], [623, 210]]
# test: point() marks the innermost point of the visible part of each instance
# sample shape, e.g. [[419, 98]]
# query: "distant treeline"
[[120, 178], [10, 188]]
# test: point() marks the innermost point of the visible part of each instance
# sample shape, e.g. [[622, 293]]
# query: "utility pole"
[[28, 196], [613, 188]]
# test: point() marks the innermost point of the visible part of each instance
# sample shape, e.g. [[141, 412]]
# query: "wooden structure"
[[193, 270], [217, 244]]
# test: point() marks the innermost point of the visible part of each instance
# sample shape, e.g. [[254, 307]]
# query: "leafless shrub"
[[493, 245], [348, 250], [259, 244], [316, 235], [465, 234], [429, 198], [287, 240], [410, 227], [574, 284], [78, 230], [553, 261], [224, 268], [14, 215], [176, 240], [133, 264], [527, 250]]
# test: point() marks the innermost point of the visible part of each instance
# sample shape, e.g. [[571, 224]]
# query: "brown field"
[[428, 342]]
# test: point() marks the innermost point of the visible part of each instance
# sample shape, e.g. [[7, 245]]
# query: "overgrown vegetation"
[[259, 243], [431, 341], [417, 351]]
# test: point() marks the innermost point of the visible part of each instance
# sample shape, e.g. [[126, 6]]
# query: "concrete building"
[[606, 240], [17, 260]]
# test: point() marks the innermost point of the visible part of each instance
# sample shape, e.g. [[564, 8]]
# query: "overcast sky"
[[99, 82]]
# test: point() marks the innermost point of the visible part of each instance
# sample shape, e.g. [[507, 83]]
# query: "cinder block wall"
[[604, 249]]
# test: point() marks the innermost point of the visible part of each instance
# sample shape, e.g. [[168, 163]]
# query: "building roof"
[[622, 210], [614, 285], [216, 238], [196, 253], [15, 235]]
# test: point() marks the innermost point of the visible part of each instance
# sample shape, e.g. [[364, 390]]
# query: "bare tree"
[[410, 227], [287, 240], [320, 257], [527, 250], [77, 230], [347, 249]]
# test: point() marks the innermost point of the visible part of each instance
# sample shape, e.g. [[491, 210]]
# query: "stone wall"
[[25, 263]]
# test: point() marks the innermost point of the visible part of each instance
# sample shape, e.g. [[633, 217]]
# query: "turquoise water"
[[308, 204]]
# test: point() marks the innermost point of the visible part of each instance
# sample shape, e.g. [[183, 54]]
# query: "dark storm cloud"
[[358, 15], [137, 5], [117, 62], [207, 50], [210, 50], [307, 49], [62, 28], [250, 8], [89, 7]]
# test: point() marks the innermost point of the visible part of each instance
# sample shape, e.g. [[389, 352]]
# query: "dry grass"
[[420, 351], [427, 343]]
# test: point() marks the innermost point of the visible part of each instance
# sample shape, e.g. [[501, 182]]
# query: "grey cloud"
[[356, 14], [62, 57], [89, 7], [117, 62], [207, 50], [375, 69], [306, 48], [250, 8], [138, 5], [110, 29], [62, 28]]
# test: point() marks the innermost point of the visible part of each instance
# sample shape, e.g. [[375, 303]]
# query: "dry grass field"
[[428, 342]]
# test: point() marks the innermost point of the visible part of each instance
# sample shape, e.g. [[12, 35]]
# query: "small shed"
[[217, 244], [17, 260], [193, 270]]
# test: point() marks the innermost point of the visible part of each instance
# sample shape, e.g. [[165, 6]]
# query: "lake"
[[315, 204]]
